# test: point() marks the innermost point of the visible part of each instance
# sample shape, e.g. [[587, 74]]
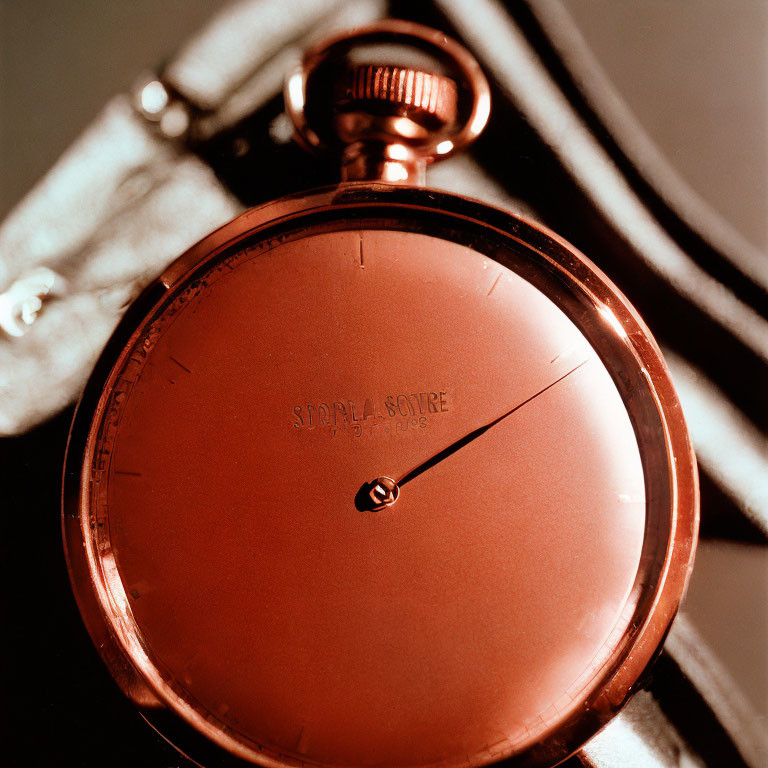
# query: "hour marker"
[[181, 365], [125, 472], [568, 351], [362, 262], [495, 282]]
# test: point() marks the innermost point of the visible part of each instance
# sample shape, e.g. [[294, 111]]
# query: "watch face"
[[229, 479]]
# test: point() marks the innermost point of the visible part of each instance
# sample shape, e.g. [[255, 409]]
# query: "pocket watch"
[[376, 475]]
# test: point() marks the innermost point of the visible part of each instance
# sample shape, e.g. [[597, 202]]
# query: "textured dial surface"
[[452, 626]]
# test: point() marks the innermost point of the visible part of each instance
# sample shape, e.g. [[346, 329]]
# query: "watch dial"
[[456, 624]]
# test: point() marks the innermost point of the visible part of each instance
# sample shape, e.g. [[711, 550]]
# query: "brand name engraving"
[[393, 413]]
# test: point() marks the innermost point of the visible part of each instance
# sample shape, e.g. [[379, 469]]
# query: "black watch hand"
[[461, 442], [383, 491]]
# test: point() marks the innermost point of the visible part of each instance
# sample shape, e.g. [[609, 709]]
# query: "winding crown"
[[413, 91]]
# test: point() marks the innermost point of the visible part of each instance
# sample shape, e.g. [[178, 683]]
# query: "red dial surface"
[[454, 626]]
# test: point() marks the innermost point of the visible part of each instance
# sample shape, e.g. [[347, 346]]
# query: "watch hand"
[[384, 491], [460, 443]]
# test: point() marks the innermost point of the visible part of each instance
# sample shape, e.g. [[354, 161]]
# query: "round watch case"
[[555, 270]]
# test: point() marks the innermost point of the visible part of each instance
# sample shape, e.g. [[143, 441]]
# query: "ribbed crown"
[[406, 89]]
